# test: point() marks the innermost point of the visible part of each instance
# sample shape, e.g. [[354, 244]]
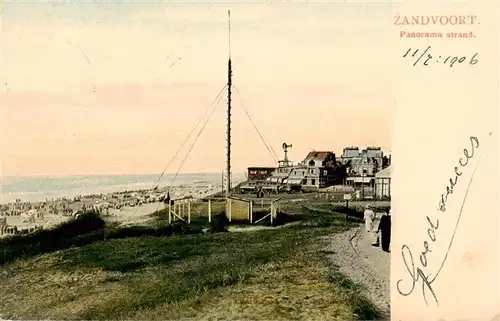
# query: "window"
[[313, 181]]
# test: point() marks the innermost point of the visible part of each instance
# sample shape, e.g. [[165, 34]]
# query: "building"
[[386, 161], [361, 166], [320, 159], [370, 159], [349, 153], [383, 183], [374, 153], [297, 176], [260, 173], [320, 169]]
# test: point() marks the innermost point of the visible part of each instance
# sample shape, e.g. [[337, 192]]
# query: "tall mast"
[[229, 85]]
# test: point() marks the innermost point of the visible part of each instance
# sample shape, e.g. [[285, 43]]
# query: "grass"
[[360, 306], [87, 229], [176, 271]]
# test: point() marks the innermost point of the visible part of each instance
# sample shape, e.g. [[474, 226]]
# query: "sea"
[[39, 188]]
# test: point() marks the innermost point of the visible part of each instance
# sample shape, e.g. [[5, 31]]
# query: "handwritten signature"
[[417, 273]]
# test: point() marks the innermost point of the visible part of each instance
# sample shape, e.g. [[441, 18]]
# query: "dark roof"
[[319, 155]]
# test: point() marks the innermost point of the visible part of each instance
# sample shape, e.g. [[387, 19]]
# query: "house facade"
[[361, 166], [364, 163], [349, 153], [383, 183], [376, 155], [320, 169], [259, 173]]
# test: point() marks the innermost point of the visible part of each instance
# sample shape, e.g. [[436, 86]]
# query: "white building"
[[383, 183]]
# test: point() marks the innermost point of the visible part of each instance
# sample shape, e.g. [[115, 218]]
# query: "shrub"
[[219, 223], [59, 237]]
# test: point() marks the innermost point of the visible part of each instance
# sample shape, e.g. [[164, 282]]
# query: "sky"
[[116, 87]]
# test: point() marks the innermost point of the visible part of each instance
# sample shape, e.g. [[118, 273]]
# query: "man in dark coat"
[[385, 228], [168, 200]]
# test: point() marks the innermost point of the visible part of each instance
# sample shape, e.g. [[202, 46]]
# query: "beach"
[[42, 188], [123, 206]]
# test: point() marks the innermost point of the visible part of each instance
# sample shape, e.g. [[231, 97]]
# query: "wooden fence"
[[253, 211], [186, 209], [236, 209]]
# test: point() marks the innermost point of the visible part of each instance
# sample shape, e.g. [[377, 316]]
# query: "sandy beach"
[[125, 207], [124, 216], [134, 215]]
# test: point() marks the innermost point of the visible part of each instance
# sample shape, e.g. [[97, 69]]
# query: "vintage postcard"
[[243, 160]]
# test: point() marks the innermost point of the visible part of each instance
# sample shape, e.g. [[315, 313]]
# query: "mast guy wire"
[[268, 146], [196, 139], [187, 138], [194, 142]]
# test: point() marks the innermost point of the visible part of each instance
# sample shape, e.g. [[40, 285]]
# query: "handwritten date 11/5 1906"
[[425, 57]]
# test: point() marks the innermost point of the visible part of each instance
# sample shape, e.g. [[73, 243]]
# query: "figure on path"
[[385, 228], [369, 216]]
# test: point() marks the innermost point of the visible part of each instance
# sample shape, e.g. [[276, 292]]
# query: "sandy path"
[[362, 263], [134, 215]]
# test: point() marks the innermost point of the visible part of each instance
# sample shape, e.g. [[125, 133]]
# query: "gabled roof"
[[385, 173], [319, 155]]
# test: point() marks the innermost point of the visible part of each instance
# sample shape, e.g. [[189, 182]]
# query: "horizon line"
[[385, 151], [104, 174]]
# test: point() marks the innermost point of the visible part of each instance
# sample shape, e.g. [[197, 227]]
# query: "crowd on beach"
[[382, 234], [19, 215]]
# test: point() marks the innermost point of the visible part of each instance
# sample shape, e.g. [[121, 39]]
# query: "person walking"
[[384, 228], [369, 215]]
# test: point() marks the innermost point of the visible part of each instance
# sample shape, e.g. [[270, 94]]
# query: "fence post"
[[169, 211], [209, 211], [272, 211], [250, 205], [189, 212], [229, 208]]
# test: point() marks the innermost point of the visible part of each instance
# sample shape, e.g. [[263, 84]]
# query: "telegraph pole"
[[229, 85]]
